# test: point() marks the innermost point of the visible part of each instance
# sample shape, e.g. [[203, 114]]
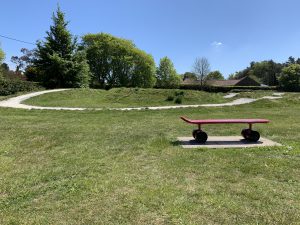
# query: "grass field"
[[122, 97], [111, 167]]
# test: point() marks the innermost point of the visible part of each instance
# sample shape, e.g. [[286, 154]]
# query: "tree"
[[4, 67], [232, 76], [2, 55], [189, 75], [201, 69], [33, 74], [23, 61], [58, 59], [117, 62], [266, 71], [215, 75], [166, 74], [289, 78], [291, 60]]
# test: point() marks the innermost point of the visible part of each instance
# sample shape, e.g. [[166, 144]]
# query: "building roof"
[[190, 81], [245, 81], [222, 82]]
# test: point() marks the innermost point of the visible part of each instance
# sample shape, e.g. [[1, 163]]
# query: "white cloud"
[[217, 44]]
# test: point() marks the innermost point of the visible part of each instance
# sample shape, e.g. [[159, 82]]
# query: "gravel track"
[[16, 102]]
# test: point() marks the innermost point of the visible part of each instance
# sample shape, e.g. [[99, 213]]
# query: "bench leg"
[[199, 135], [250, 135]]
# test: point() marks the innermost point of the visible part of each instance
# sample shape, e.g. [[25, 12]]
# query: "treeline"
[[286, 75], [104, 61], [99, 60]]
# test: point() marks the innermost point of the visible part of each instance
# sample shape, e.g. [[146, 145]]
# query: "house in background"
[[245, 81]]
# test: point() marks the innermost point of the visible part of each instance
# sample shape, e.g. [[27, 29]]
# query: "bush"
[[32, 74], [178, 99], [170, 98], [178, 93], [9, 87]]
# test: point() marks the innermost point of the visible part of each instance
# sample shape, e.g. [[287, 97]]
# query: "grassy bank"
[[106, 167], [123, 97]]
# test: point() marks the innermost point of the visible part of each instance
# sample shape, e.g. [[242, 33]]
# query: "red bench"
[[248, 134]]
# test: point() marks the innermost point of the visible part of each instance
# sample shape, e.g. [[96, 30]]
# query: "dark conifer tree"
[[57, 58]]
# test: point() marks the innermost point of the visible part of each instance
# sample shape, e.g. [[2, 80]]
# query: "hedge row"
[[226, 89], [9, 87]]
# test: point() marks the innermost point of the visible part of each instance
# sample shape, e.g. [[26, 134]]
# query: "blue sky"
[[230, 33]]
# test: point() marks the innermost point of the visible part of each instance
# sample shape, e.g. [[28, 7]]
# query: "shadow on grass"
[[176, 143]]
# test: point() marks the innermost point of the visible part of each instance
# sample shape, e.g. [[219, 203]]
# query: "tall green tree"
[[166, 74], [289, 78], [215, 75], [58, 59], [118, 62]]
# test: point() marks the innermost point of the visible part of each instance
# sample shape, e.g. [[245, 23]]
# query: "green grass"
[[110, 167], [254, 94], [122, 97]]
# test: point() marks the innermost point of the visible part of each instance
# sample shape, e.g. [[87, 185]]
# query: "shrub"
[[32, 74], [178, 93], [170, 98], [9, 87], [178, 99]]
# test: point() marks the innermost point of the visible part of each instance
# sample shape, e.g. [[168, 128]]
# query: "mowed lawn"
[[111, 167], [124, 97]]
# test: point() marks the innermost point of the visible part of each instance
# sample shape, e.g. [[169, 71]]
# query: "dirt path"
[[16, 102]]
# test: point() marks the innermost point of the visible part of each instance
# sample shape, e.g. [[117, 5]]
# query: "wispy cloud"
[[217, 44]]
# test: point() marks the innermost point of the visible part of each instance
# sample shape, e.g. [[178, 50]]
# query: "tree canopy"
[[266, 71], [118, 62], [166, 74], [189, 75], [215, 75], [24, 60], [58, 59], [2, 55], [290, 77]]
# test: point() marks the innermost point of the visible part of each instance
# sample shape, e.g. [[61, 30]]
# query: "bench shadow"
[[176, 143], [208, 143], [216, 143]]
